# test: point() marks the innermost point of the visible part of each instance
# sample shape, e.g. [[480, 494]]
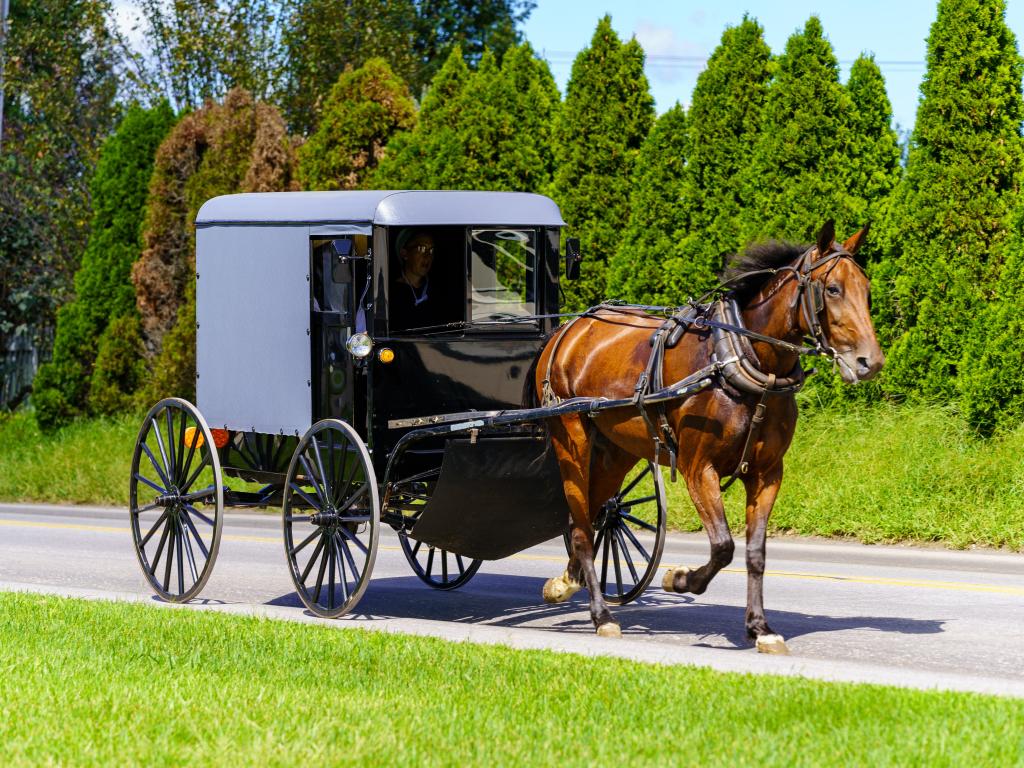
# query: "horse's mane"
[[770, 254]]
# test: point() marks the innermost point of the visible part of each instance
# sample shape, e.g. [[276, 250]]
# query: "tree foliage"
[[59, 89], [365, 109], [488, 129], [103, 287], [238, 146], [951, 214], [323, 37], [724, 124], [638, 270], [800, 171], [607, 114]]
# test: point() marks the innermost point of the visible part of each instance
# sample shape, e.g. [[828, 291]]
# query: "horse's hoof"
[[668, 583], [560, 589], [775, 644], [609, 629]]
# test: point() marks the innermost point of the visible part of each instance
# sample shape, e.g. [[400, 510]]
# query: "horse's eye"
[[833, 290]]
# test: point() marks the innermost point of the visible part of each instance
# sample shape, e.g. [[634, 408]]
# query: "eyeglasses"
[[423, 249]]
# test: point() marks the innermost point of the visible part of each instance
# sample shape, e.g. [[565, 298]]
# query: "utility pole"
[[4, 6]]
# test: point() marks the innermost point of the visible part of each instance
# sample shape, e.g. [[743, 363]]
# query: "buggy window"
[[502, 274]]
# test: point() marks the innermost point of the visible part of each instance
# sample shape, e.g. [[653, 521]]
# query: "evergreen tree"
[[607, 114], [365, 108], [103, 288], [238, 146], [799, 173], [638, 271], [411, 158], [724, 124], [59, 88], [489, 129], [874, 150], [951, 214]]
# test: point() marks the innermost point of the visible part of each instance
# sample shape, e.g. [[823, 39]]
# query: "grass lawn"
[[913, 474], [85, 683]]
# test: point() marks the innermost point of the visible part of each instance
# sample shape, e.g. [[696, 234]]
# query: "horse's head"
[[836, 304]]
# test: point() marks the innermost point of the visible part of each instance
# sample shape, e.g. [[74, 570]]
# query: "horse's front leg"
[[706, 493], [762, 488]]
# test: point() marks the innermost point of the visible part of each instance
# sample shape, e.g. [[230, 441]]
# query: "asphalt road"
[[916, 617]]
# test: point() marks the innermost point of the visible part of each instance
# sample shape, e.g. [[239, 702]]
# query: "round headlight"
[[359, 345]]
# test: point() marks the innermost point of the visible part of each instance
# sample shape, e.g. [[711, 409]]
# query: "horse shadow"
[[502, 600]]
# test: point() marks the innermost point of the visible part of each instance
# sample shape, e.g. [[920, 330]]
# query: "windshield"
[[501, 267]]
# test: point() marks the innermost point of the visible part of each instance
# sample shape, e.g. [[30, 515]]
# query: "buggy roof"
[[389, 208]]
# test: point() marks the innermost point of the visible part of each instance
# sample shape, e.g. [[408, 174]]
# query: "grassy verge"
[[912, 474], [102, 684]]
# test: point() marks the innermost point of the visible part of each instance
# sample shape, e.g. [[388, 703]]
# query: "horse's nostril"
[[862, 362]]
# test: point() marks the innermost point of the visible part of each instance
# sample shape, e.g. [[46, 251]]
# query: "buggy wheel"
[[406, 499], [435, 567], [176, 500], [331, 518], [629, 536]]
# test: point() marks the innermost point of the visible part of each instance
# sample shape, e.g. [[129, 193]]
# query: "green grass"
[[913, 474], [115, 684], [886, 474]]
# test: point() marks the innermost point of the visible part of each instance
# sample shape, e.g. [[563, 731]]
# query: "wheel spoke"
[[160, 548], [356, 573], [150, 483], [320, 466], [172, 466], [352, 499], [295, 550], [312, 558], [430, 560], [147, 508], [615, 556], [352, 537], [200, 515], [330, 577], [416, 548], [170, 557], [604, 566], [626, 557], [633, 483], [156, 466], [160, 445], [633, 502], [459, 563], [190, 553], [148, 536], [320, 574], [444, 566], [636, 543], [637, 521], [187, 464], [306, 497], [198, 469], [316, 483], [341, 567], [181, 563], [195, 533]]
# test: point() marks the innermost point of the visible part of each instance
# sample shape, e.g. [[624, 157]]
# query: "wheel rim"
[[176, 500], [331, 518], [629, 536], [438, 568]]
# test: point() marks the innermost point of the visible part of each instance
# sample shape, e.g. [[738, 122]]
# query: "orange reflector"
[[194, 435], [386, 355]]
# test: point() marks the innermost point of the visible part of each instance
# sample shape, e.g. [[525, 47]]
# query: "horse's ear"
[[857, 240], [826, 237]]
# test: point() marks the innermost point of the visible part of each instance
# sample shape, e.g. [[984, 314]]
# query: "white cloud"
[[668, 55]]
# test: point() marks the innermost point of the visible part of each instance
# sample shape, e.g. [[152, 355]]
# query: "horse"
[[740, 426]]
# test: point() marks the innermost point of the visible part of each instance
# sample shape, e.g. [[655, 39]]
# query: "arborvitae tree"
[[103, 287], [410, 158], [874, 150], [489, 129], [366, 107], [723, 125], [59, 87], [951, 214], [799, 175], [637, 271], [607, 114], [238, 146]]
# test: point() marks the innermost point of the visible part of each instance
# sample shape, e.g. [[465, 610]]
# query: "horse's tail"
[[531, 399]]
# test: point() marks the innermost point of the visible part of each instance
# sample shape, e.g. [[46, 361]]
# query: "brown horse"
[[785, 292]]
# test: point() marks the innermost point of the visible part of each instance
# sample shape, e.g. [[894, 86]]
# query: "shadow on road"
[[513, 601]]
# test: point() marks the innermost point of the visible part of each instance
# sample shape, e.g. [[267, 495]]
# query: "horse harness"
[[733, 359]]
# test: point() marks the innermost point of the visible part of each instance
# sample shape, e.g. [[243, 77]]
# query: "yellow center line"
[[878, 581]]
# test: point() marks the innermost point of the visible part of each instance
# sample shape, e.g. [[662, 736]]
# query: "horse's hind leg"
[[573, 447], [707, 497]]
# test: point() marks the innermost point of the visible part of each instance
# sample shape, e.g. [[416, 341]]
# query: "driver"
[[409, 301]]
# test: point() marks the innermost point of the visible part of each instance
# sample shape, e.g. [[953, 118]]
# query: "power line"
[[700, 62]]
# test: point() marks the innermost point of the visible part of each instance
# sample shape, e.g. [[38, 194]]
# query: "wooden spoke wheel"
[[629, 536], [438, 568], [331, 518], [176, 500]]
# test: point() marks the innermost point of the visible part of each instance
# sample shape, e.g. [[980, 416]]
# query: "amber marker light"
[[386, 355]]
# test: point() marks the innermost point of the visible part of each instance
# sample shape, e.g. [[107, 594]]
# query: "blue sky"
[[678, 35]]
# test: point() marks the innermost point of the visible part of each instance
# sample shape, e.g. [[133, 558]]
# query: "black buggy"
[[341, 380]]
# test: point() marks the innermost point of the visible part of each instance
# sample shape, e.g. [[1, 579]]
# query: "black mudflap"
[[494, 498]]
